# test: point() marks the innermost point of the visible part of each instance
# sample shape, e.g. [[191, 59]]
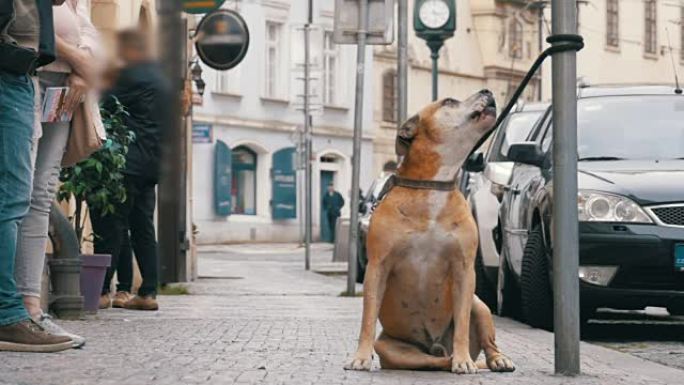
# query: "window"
[[390, 97], [650, 27], [515, 39], [244, 181], [272, 62], [329, 69], [612, 23]]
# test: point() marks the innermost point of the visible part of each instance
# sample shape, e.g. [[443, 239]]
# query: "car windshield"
[[519, 126], [630, 127]]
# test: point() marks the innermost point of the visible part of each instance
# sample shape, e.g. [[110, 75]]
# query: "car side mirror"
[[475, 163], [526, 153]]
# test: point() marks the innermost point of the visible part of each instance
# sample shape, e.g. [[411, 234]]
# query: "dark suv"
[[630, 206]]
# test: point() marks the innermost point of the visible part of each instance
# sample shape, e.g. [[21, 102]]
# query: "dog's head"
[[449, 125]]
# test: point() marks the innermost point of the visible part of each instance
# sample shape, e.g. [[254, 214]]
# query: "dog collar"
[[441, 185]]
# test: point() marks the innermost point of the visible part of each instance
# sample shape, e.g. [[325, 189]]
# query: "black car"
[[630, 206]]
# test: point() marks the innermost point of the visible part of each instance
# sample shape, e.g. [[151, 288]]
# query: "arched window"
[[244, 181], [515, 39], [390, 97]]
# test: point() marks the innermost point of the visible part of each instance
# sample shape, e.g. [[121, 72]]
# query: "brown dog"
[[420, 279]]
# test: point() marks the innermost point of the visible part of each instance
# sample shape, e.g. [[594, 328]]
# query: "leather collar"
[[441, 185]]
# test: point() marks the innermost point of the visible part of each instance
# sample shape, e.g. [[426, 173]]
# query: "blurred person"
[[27, 41], [332, 204], [76, 46], [144, 92]]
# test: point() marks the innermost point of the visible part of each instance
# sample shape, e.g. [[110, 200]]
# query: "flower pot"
[[93, 272]]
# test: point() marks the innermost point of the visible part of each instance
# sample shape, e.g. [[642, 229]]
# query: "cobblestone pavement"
[[258, 318]]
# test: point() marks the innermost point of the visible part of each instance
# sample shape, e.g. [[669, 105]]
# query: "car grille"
[[670, 215]]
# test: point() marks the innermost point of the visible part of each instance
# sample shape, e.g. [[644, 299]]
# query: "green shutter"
[[284, 184], [223, 179]]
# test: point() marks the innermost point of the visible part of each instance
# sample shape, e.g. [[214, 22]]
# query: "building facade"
[[251, 118]]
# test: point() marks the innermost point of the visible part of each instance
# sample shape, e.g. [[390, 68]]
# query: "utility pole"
[[171, 229], [308, 152], [402, 62], [356, 161], [539, 5], [565, 221]]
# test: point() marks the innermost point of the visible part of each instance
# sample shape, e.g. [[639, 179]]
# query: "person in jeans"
[[76, 43], [26, 42], [332, 204], [143, 91]]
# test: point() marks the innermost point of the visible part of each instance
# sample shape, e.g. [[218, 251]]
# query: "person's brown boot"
[[120, 299], [105, 301], [146, 302], [27, 336]]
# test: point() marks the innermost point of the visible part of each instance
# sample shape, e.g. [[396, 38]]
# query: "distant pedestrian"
[[332, 205], [144, 92], [27, 41]]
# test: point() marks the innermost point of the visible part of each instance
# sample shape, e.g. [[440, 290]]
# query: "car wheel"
[[483, 287], [507, 292], [535, 285]]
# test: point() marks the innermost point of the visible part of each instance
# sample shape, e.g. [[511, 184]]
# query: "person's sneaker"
[[120, 299], [105, 301], [146, 302], [28, 336], [45, 321]]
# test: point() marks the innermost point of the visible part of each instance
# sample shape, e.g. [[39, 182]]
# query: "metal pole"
[[435, 73], [541, 46], [307, 139], [565, 222], [172, 42], [402, 62], [356, 158]]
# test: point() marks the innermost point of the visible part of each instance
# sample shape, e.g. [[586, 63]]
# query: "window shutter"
[[222, 179]]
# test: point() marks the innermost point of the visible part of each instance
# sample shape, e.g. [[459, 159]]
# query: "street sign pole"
[[307, 139], [402, 62], [565, 221], [435, 46], [356, 159], [171, 198]]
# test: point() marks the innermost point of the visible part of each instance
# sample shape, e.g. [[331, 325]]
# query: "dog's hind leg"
[[483, 337], [396, 354]]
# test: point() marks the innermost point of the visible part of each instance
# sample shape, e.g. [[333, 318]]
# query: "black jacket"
[[145, 93], [332, 204]]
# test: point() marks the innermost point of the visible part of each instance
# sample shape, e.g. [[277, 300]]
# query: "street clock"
[[434, 21]]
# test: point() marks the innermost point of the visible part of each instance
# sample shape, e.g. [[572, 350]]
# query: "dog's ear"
[[405, 135]]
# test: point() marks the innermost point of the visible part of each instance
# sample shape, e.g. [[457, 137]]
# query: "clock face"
[[434, 13]]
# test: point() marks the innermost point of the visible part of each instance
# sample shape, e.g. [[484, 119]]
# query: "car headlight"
[[594, 206]]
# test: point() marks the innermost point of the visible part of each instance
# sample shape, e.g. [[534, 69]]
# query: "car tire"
[[484, 289], [507, 291], [535, 285]]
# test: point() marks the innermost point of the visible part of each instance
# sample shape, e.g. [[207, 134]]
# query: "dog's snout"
[[486, 92]]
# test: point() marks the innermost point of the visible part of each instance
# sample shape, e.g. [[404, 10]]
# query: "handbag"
[[87, 132]]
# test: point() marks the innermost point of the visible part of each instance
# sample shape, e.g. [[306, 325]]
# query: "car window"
[[548, 133], [539, 127], [631, 127], [515, 129]]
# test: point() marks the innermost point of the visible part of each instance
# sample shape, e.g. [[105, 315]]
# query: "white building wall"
[[241, 114]]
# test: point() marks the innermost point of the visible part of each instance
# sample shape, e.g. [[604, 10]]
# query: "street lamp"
[[434, 21], [196, 76]]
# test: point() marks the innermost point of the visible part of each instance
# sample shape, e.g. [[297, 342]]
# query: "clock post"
[[434, 21]]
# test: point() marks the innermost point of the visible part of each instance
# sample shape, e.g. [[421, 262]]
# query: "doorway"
[[327, 177]]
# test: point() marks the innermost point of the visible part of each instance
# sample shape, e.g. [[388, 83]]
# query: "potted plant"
[[98, 181]]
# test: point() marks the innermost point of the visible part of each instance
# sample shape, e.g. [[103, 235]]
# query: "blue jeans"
[[16, 132]]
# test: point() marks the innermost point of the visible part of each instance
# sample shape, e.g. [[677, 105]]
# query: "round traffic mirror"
[[222, 39]]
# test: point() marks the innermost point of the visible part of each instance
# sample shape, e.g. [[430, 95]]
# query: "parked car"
[[630, 206], [483, 179], [370, 199]]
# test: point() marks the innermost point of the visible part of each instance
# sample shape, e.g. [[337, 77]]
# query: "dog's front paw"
[[360, 362], [500, 363], [463, 366]]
